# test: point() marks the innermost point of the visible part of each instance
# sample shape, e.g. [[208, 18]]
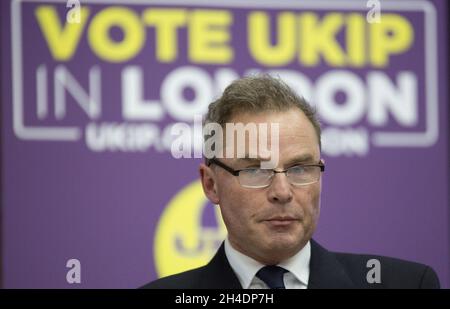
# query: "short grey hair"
[[259, 93]]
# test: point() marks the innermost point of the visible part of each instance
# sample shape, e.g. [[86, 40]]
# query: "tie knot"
[[272, 275]]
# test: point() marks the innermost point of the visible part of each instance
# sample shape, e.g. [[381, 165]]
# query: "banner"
[[92, 196]]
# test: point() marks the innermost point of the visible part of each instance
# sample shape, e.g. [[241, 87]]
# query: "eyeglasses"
[[298, 175]]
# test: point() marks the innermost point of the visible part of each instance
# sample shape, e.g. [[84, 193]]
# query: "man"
[[271, 214]]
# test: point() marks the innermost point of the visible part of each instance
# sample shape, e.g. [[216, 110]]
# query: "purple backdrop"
[[92, 185]]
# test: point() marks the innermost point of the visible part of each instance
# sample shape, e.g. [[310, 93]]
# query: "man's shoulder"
[[367, 270], [217, 274], [190, 278]]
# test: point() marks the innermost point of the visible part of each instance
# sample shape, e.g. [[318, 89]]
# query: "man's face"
[[273, 223]]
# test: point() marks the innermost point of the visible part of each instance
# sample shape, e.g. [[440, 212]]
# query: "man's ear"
[[209, 183]]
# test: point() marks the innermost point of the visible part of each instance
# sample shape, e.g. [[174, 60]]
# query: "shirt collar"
[[298, 265], [246, 268]]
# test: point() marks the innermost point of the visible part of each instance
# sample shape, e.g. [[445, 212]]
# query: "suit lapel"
[[326, 272], [218, 273]]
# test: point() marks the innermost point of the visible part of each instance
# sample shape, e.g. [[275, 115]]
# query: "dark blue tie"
[[272, 276]]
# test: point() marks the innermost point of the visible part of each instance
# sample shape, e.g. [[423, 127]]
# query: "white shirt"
[[246, 268]]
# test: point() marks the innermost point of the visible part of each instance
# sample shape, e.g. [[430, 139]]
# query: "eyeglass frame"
[[236, 172]]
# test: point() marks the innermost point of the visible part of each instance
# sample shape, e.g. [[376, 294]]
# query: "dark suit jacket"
[[327, 270]]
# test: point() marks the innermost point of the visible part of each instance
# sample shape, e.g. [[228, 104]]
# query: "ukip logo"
[[182, 239]]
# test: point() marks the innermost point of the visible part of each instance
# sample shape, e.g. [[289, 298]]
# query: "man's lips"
[[281, 221], [282, 218]]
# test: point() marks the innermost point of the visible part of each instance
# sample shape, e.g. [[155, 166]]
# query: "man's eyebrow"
[[248, 160], [304, 158]]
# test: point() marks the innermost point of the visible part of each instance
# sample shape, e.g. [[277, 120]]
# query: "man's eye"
[[252, 167], [297, 169], [253, 170]]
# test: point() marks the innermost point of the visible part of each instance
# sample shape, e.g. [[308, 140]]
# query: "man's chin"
[[284, 243]]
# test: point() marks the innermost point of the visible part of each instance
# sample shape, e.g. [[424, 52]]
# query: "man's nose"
[[280, 190]]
